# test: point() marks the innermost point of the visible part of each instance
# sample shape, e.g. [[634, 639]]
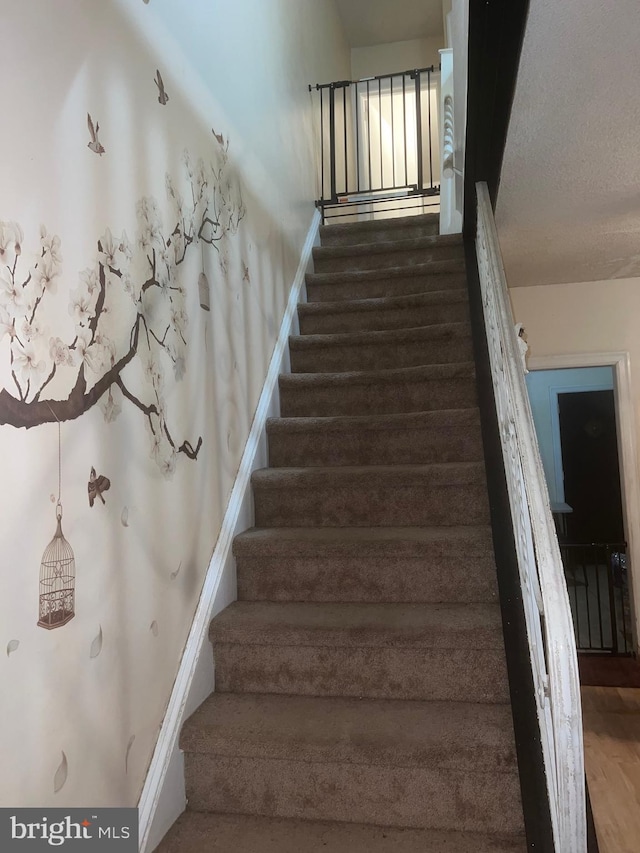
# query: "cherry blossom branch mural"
[[60, 375]]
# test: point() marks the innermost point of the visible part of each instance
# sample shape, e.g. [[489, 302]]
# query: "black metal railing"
[[378, 142], [596, 576]]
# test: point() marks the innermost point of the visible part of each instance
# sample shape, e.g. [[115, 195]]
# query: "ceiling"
[[370, 22], [569, 200]]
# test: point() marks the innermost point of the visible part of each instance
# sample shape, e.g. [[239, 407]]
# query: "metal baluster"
[[322, 144], [575, 592], [393, 138], [404, 121], [419, 130], [623, 589], [346, 162], [430, 153], [357, 137], [369, 132], [612, 601], [380, 131], [332, 139], [597, 564]]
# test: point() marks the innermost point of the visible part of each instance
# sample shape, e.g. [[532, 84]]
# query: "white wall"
[[82, 704], [395, 57]]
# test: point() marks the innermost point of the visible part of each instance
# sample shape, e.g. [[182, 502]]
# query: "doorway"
[[575, 416]]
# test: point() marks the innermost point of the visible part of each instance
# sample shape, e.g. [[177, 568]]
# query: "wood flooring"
[[611, 718]]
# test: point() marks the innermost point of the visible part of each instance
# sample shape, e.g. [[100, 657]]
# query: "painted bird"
[[162, 95], [96, 486], [94, 145], [219, 137]]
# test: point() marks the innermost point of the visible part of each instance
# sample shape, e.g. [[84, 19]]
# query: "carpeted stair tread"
[[389, 349], [369, 284], [380, 337], [443, 652], [366, 564], [363, 306], [364, 392], [436, 420], [389, 253], [371, 495], [453, 735], [446, 435], [439, 331], [400, 228], [438, 474], [375, 303], [204, 832], [336, 624], [367, 541]]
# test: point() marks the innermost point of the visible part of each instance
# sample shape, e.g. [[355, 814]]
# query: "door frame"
[[625, 426]]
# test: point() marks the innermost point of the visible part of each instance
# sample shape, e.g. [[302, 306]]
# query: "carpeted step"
[[366, 564], [436, 765], [365, 284], [203, 832], [377, 230], [444, 652], [389, 312], [408, 389], [349, 351], [451, 493], [449, 435], [392, 253]]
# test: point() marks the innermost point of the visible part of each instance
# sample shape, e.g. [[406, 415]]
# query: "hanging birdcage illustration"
[[57, 569], [57, 580]]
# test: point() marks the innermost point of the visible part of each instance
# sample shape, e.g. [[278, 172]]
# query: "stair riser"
[[333, 236], [375, 321], [411, 797], [452, 578], [459, 675], [330, 359], [354, 446], [383, 287], [386, 260], [377, 399], [343, 505]]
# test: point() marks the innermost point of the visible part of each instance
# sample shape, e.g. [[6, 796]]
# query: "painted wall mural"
[[88, 364]]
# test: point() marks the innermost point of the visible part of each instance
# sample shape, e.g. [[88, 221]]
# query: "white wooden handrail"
[[544, 592]]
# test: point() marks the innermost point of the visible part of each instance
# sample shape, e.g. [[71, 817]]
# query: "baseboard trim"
[[163, 797]]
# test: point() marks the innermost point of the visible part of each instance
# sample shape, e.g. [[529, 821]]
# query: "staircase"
[[361, 699]]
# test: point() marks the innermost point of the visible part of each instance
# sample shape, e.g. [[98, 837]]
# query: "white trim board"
[[621, 363], [163, 796]]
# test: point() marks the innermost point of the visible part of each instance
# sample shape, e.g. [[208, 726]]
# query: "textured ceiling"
[[369, 22], [569, 199]]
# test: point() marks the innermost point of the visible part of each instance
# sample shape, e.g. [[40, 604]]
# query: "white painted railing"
[[544, 592]]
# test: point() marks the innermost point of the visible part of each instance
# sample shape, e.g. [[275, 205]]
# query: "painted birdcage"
[[57, 580]]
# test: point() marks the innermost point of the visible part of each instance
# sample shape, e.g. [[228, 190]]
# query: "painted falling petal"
[[126, 757], [61, 775], [12, 646], [96, 645]]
